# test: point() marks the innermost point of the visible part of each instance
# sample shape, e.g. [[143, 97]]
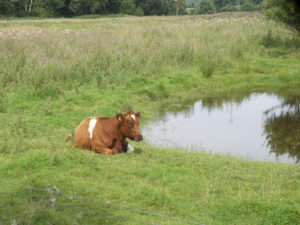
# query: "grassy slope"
[[193, 186]]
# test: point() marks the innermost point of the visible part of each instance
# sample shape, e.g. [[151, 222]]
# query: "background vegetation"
[[284, 11], [54, 73], [71, 8]]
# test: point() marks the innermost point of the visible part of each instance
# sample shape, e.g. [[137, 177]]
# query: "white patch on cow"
[[91, 126], [133, 117], [130, 148]]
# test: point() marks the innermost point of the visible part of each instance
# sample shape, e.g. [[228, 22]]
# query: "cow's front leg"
[[99, 148], [104, 150], [124, 146]]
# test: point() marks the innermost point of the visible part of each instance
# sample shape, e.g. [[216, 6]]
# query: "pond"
[[253, 126]]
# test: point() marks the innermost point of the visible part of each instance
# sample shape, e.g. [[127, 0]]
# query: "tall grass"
[[42, 60]]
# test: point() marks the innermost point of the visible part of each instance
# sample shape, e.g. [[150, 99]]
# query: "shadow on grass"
[[138, 151]]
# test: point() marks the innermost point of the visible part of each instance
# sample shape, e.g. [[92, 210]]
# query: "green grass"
[[54, 73], [192, 186]]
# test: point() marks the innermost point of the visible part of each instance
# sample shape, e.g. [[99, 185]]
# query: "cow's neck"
[[122, 137]]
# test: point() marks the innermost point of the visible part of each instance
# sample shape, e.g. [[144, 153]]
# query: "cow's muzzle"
[[139, 138]]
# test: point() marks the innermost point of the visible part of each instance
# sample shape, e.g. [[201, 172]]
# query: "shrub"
[[40, 12], [182, 12], [248, 7], [276, 41], [205, 7], [127, 7], [207, 69], [207, 65], [139, 11], [268, 40], [228, 8], [286, 11]]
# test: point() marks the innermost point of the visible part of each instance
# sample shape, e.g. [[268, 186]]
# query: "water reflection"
[[282, 128], [255, 126]]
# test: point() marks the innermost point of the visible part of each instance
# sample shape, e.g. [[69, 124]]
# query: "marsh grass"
[[207, 65], [55, 72], [271, 40], [43, 60]]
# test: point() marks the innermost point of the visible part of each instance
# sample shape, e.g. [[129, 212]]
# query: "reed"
[[44, 57]]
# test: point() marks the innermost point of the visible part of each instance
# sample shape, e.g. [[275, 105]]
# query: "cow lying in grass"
[[107, 135]]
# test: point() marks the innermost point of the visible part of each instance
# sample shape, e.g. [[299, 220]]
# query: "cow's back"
[[82, 135]]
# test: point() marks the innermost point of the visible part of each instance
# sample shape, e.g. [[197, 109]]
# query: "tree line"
[[213, 6], [70, 8]]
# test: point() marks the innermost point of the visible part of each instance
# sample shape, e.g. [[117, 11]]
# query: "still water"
[[260, 126]]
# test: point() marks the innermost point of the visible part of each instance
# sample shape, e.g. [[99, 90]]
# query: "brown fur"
[[109, 133]]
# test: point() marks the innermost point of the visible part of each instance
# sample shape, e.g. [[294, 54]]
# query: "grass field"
[[54, 73]]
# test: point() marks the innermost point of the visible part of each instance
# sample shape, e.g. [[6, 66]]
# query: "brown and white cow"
[[107, 135]]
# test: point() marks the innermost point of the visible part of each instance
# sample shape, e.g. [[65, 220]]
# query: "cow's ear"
[[138, 114], [120, 118]]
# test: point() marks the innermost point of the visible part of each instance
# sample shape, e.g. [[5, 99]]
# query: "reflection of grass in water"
[[282, 129]]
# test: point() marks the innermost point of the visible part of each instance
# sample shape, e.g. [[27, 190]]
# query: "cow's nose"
[[140, 138]]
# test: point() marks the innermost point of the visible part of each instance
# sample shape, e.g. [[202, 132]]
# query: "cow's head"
[[129, 125]]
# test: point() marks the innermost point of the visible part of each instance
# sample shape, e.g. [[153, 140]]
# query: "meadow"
[[55, 72]]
